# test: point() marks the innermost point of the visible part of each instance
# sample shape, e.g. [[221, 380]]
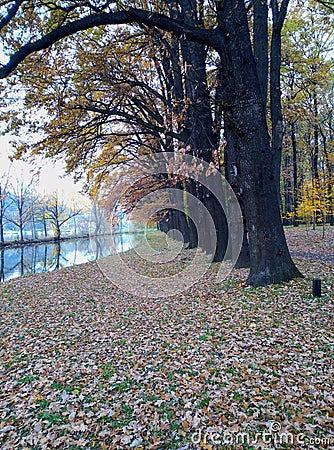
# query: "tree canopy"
[[155, 84]]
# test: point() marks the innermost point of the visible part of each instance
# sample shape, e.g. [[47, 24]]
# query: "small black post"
[[316, 287]]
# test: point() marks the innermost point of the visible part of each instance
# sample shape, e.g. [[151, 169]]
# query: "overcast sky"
[[51, 176]]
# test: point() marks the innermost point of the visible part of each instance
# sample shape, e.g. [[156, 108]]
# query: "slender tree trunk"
[[329, 172], [288, 191], [57, 230], [275, 103], [2, 200], [21, 230], [315, 157], [295, 174], [33, 224], [2, 237], [2, 265], [45, 227], [75, 225]]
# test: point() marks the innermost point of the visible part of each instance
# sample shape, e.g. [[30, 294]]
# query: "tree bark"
[[257, 169], [275, 101], [261, 37], [270, 260], [231, 164], [202, 134]]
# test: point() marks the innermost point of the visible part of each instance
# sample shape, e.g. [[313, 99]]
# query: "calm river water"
[[15, 262]]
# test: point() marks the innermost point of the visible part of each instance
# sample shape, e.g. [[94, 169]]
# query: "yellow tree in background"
[[314, 205]]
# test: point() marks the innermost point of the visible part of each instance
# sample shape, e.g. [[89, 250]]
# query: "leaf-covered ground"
[[85, 366]]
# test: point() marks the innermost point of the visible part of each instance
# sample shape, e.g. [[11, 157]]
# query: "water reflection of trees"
[[48, 257], [20, 267]]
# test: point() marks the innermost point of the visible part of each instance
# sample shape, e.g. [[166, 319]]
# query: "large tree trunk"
[[270, 260], [192, 216], [202, 135], [231, 164], [261, 37]]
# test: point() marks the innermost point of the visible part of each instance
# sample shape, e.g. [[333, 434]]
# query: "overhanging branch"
[[132, 15]]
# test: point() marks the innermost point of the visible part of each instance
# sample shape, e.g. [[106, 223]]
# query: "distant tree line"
[[30, 215], [307, 178]]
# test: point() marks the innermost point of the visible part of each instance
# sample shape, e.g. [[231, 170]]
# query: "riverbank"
[[86, 366], [15, 243], [36, 241]]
